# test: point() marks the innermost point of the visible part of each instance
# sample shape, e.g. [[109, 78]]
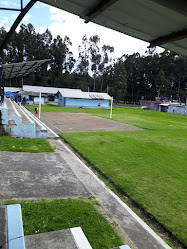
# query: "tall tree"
[[105, 50], [161, 83], [95, 57]]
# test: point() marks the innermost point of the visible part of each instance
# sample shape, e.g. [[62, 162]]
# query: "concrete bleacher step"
[[122, 247], [3, 228], [72, 238], [11, 227], [25, 118], [20, 122], [50, 133], [12, 234]]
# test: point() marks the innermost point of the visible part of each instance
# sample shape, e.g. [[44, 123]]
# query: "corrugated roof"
[[74, 94], [48, 90], [21, 69], [159, 22], [42, 89]]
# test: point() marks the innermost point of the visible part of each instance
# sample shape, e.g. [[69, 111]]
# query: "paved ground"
[[59, 239], [46, 175], [62, 174], [73, 122]]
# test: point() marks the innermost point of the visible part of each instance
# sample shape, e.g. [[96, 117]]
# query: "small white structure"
[[173, 107], [182, 110], [51, 92]]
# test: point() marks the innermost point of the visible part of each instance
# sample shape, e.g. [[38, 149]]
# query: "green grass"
[[149, 165], [141, 118], [45, 216], [24, 145]]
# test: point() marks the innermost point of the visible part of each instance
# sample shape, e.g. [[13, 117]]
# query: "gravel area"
[[82, 122]]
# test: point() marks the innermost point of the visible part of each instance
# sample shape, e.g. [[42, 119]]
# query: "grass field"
[[149, 165], [24, 145], [46, 216]]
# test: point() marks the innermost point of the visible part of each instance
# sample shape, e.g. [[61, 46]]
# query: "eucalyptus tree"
[[105, 60], [161, 83], [95, 57], [62, 59]]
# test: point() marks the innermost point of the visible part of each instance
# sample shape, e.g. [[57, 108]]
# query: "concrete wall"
[[36, 100], [29, 102], [87, 103], [182, 110]]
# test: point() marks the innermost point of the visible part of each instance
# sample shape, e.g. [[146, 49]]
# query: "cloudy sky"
[[62, 23]]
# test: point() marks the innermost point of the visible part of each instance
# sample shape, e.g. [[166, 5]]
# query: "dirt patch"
[[82, 122]]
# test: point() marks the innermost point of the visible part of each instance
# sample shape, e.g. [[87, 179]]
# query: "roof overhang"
[[159, 22], [21, 69]]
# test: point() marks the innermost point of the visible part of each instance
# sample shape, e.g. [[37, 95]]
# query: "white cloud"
[[6, 27], [27, 17], [40, 29], [75, 28], [4, 20], [40, 5], [10, 4]]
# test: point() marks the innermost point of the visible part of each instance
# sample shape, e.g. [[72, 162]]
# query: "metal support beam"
[[169, 38], [20, 70], [102, 6], [11, 71], [10, 9], [17, 75], [21, 4], [16, 23]]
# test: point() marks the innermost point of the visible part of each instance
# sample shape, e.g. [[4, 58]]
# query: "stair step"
[[73, 238]]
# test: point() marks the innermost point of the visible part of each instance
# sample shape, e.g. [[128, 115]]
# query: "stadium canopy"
[[159, 22], [21, 69]]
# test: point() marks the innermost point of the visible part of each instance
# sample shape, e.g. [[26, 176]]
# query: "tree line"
[[128, 78]]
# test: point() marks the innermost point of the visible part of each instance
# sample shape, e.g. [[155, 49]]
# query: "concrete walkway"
[[62, 174]]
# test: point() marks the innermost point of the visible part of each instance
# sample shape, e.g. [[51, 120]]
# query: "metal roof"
[[42, 89], [48, 90], [67, 92], [159, 22], [74, 94], [21, 69], [12, 89]]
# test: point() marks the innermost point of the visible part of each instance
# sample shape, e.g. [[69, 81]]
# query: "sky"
[[62, 23]]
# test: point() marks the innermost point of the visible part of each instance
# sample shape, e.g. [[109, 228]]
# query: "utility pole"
[[2, 77]]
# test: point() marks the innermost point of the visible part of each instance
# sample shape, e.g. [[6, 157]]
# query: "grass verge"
[[50, 215], [149, 165], [24, 145]]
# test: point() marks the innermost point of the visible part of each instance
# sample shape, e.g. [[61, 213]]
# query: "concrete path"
[[45, 175], [62, 174]]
